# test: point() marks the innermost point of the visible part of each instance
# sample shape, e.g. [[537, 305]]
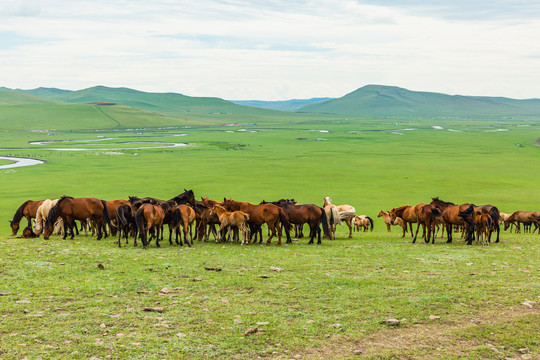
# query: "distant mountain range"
[[285, 105], [369, 101]]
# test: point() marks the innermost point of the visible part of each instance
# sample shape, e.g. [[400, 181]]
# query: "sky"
[[273, 49]]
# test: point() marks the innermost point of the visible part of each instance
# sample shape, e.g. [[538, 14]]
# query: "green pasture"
[[324, 301]]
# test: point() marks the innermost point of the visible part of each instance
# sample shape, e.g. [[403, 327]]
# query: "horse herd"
[[145, 218]]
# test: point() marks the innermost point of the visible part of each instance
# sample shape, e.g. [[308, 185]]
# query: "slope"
[[390, 101]]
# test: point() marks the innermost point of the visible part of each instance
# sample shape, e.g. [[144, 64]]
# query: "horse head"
[[14, 227]]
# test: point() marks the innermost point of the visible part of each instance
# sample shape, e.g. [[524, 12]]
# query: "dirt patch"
[[436, 340]]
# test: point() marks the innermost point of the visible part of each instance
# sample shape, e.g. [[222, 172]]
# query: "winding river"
[[19, 162]]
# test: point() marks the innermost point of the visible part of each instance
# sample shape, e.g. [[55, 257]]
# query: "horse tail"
[[370, 221], [176, 219], [285, 222], [120, 216], [324, 222], [139, 220], [335, 216], [106, 216], [19, 212], [489, 221]]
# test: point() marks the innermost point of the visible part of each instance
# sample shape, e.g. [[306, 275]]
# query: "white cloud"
[[277, 50]]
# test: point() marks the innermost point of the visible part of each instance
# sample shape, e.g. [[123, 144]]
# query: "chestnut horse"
[[236, 219], [28, 210], [183, 215], [388, 221], [149, 217], [521, 217], [427, 216], [268, 214], [408, 214], [306, 213], [71, 209], [112, 206]]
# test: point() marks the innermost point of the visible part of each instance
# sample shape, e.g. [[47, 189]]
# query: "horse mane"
[[437, 200], [133, 199], [19, 213], [186, 197], [55, 211]]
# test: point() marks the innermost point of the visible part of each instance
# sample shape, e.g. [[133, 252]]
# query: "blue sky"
[[273, 50]]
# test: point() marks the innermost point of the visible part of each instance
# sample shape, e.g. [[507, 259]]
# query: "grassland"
[[327, 301]]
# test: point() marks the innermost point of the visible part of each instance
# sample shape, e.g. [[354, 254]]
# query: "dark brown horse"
[[451, 217], [71, 209], [495, 216], [310, 214], [125, 217], [269, 214], [28, 209], [427, 216]]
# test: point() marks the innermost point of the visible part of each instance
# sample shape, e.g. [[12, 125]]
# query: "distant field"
[[327, 301]]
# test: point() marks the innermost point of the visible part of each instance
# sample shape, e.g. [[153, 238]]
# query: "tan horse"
[[388, 221], [236, 219], [183, 215], [42, 213], [346, 213], [362, 221], [28, 210], [519, 217]]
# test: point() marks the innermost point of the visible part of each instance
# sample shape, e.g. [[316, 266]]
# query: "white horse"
[[41, 216], [345, 213]]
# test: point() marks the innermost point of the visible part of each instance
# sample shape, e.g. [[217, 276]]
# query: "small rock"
[[276, 269], [165, 291], [357, 352], [434, 317], [181, 335], [524, 350], [391, 322], [528, 303], [263, 276], [5, 293], [154, 309], [198, 278], [336, 326], [100, 266], [263, 323], [212, 269], [103, 326], [255, 330]]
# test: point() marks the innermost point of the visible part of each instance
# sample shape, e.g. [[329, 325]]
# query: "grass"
[[325, 301], [328, 301]]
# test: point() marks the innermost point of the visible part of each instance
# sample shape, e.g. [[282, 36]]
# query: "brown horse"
[[268, 214], [408, 214], [427, 216], [125, 217], [183, 215], [482, 225], [71, 209], [235, 219], [28, 209], [310, 214], [521, 217], [495, 216], [388, 221], [149, 217], [450, 215], [112, 206]]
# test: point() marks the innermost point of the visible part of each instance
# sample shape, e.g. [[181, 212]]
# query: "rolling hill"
[[391, 101]]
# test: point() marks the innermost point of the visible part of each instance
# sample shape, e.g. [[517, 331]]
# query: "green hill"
[[9, 97], [390, 101], [285, 105], [48, 93], [171, 104]]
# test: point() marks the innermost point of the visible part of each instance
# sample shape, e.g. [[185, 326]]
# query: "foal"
[[230, 219]]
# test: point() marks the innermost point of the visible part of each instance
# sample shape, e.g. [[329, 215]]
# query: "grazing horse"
[[332, 217], [268, 214], [450, 215], [230, 220], [183, 215], [468, 216], [28, 210], [71, 209], [306, 213], [346, 213], [203, 208], [125, 217], [42, 213], [521, 217], [495, 216], [149, 217]]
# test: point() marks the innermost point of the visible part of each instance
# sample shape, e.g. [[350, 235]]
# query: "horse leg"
[[271, 227], [449, 233], [349, 224], [416, 234], [186, 240]]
